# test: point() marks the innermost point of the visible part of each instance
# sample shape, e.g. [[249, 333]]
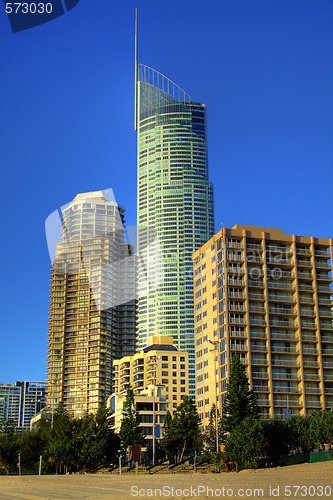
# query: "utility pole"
[[216, 346]]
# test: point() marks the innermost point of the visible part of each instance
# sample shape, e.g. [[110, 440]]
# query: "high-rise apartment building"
[[175, 205], [268, 297], [159, 364], [21, 402], [93, 306]]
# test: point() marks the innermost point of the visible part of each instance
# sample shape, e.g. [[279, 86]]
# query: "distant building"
[[44, 414], [92, 305], [21, 402], [159, 364], [267, 296], [144, 401]]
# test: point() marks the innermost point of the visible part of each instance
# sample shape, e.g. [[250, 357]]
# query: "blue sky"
[[264, 69]]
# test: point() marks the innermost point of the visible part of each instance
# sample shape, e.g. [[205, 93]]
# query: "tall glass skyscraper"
[[175, 206]]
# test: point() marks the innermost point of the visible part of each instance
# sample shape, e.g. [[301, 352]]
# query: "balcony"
[[238, 347], [284, 362], [304, 263], [235, 281], [277, 248], [281, 310], [281, 298], [255, 246], [308, 324], [261, 387], [324, 289], [233, 333], [322, 253], [262, 401], [283, 389], [322, 264], [285, 324], [325, 337], [313, 364], [283, 376], [255, 308], [256, 361], [257, 334], [234, 244], [312, 390], [304, 276], [313, 404], [236, 307], [283, 336], [326, 326], [257, 321], [260, 375], [238, 321], [235, 295], [256, 283], [305, 287], [261, 348], [256, 296], [311, 376], [276, 348], [280, 284], [310, 350], [303, 251]]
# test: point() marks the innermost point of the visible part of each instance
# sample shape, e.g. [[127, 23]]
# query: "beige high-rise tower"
[[268, 297], [92, 305]]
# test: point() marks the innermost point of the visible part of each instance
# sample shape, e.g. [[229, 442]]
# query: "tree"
[[210, 434], [246, 443], [96, 440], [185, 427], [239, 401], [321, 423], [169, 441], [130, 432]]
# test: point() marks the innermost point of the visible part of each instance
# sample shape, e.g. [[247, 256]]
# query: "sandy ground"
[[313, 480]]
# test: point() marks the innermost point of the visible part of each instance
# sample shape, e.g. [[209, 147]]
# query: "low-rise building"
[[158, 364], [151, 406]]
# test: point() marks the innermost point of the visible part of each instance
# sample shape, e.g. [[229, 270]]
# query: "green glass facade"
[[175, 203]]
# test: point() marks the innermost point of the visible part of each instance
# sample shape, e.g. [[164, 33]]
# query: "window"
[[165, 358], [182, 389], [182, 359], [165, 374], [174, 374], [182, 374], [174, 358], [174, 382], [174, 397], [174, 367], [182, 382], [174, 389], [165, 381], [182, 367], [165, 365]]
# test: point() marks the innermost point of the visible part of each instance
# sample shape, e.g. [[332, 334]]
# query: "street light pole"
[[154, 360], [215, 343]]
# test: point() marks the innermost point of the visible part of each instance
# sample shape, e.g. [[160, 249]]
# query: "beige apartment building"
[[92, 303], [159, 364], [267, 296]]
